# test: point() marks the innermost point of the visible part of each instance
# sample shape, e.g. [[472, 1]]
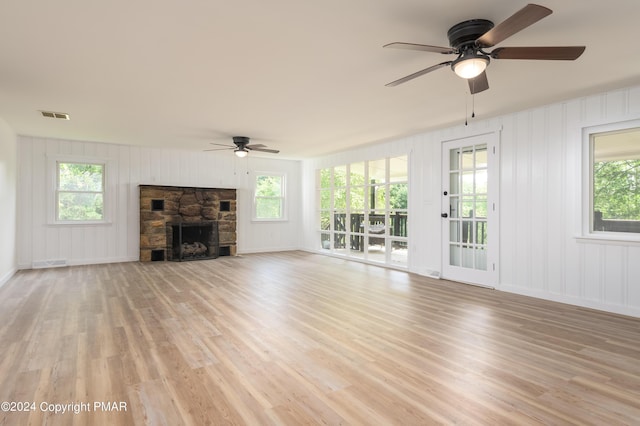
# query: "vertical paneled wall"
[[40, 243], [541, 192], [8, 183]]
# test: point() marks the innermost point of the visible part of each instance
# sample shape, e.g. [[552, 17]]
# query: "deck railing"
[[375, 228]]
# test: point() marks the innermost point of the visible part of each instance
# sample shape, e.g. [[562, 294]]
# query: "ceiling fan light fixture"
[[470, 66], [241, 152]]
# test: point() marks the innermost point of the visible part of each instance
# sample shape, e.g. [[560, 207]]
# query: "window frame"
[[283, 198], [587, 232], [53, 177]]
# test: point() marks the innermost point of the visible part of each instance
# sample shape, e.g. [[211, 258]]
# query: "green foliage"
[[80, 177], [398, 196], [268, 186], [617, 189], [269, 197], [80, 189]]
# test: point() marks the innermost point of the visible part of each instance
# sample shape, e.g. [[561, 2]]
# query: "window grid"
[[355, 212]]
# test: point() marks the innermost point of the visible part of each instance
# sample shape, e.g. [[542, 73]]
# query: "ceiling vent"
[[51, 114]]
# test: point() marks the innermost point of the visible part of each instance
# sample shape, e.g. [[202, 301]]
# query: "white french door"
[[470, 186]]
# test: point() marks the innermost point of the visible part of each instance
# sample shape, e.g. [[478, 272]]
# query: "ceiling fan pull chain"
[[466, 109], [473, 106]]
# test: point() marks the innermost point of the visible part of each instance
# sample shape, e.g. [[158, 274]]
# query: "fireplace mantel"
[[160, 205]]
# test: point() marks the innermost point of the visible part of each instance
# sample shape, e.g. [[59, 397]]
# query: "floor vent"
[[49, 263]]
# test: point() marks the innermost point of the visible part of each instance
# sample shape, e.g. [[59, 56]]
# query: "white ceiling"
[[305, 77]]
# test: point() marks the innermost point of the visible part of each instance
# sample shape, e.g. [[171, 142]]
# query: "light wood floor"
[[295, 338]]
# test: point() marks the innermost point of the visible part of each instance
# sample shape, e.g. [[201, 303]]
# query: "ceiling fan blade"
[[421, 47], [418, 74], [559, 53], [528, 15], [257, 148], [218, 149], [220, 144], [478, 84], [256, 145]]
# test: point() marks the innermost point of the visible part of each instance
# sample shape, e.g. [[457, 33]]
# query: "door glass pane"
[[481, 157], [454, 255], [340, 199], [467, 182], [454, 231], [398, 196], [454, 159], [356, 174], [481, 232], [467, 207], [340, 176], [481, 258], [398, 224], [325, 220], [467, 231], [340, 222], [377, 171], [325, 199], [454, 183], [481, 206], [325, 241], [454, 207], [378, 197], [467, 256], [399, 252], [357, 222], [357, 198], [376, 224], [325, 178], [481, 181], [467, 158], [398, 169]]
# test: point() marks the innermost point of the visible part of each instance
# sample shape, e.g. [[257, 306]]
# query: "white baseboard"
[[266, 250], [57, 263], [572, 300], [6, 277]]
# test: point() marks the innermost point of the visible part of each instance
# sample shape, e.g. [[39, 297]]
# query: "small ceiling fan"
[[468, 40], [242, 147]]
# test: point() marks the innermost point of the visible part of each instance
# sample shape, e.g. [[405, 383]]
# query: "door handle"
[[444, 215]]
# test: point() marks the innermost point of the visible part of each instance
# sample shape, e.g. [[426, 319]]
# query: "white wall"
[[42, 243], [8, 182], [541, 203]]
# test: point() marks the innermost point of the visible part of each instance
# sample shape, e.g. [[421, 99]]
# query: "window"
[[79, 192], [614, 180], [362, 210], [269, 198]]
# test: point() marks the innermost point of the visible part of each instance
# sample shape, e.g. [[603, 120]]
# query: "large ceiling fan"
[[242, 147], [468, 40]]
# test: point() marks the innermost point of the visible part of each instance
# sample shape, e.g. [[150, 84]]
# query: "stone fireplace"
[[186, 223]]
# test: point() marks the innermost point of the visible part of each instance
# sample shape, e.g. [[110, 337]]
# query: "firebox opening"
[[157, 255], [193, 241], [225, 251]]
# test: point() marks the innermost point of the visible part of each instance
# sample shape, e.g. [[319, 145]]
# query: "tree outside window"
[[269, 197], [80, 192], [616, 181]]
